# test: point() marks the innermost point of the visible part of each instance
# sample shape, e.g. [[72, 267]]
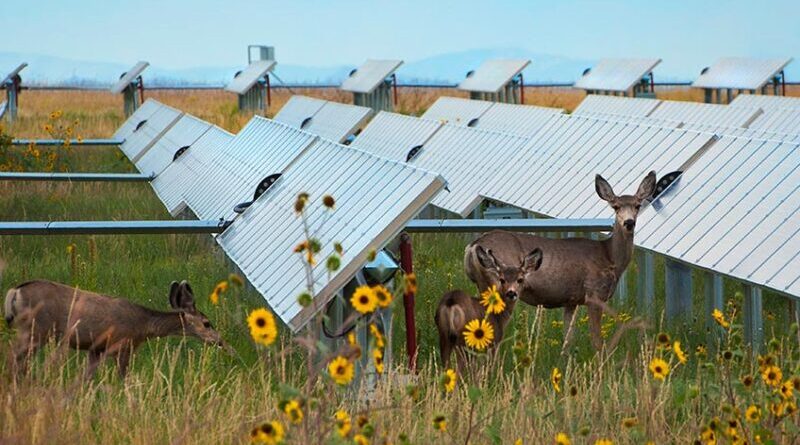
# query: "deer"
[[456, 308], [575, 271], [103, 326]]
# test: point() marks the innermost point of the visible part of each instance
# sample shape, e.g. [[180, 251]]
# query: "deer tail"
[[455, 319], [9, 308]]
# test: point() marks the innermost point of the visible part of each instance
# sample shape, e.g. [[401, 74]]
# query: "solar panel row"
[[616, 74], [331, 120]]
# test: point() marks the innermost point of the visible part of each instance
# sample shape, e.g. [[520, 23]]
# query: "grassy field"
[[181, 392]]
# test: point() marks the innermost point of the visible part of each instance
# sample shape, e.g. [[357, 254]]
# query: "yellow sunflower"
[[490, 299], [603, 442], [294, 411], [555, 379], [659, 368], [360, 439], [377, 356], [262, 326], [663, 340], [676, 348], [270, 433], [562, 439], [364, 300], [747, 381], [449, 380], [772, 375], [719, 317], [383, 295], [708, 436], [478, 334], [440, 423], [630, 422], [380, 342], [752, 414], [411, 283], [343, 423], [341, 370]]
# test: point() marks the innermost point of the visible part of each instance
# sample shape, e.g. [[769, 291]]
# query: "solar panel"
[[616, 74], [191, 169], [623, 106], [375, 198], [336, 121], [666, 123], [764, 102], [467, 158], [493, 75], [297, 110], [245, 80], [369, 75], [143, 112], [456, 111], [393, 135], [13, 73], [149, 131], [553, 174], [744, 132], [128, 77], [786, 120], [262, 148], [740, 73], [182, 134], [521, 120], [734, 212], [708, 114]]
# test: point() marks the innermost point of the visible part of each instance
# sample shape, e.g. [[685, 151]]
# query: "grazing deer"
[[102, 325], [575, 271], [457, 308]]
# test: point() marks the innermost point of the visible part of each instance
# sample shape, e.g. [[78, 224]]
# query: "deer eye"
[[207, 324], [638, 206], [502, 281], [615, 207], [520, 280]]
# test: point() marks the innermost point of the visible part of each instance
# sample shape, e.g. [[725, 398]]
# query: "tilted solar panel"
[[521, 120], [298, 110], [740, 73], [616, 74], [369, 75], [143, 112], [336, 121], [779, 120], [393, 135], [708, 114], [181, 135], [623, 106], [128, 77], [457, 111], [493, 75], [249, 76], [765, 102], [148, 131]]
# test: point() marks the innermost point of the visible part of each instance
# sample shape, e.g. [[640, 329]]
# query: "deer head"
[[195, 323], [626, 207], [508, 279]]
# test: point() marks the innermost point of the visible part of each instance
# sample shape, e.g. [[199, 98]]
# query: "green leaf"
[[474, 394]]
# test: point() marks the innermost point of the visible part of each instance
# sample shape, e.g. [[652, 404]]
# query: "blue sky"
[[687, 35]]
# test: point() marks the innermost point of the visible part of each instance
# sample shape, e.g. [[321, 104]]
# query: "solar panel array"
[[369, 75], [330, 120], [245, 80], [375, 197], [393, 136], [128, 77], [765, 102], [786, 120], [740, 73], [735, 212], [493, 75], [180, 136], [148, 131], [623, 106], [616, 74]]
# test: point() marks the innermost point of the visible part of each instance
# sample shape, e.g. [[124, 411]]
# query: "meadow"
[[683, 382]]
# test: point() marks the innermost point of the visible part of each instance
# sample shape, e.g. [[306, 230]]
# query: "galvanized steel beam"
[[753, 309], [714, 300], [678, 281], [516, 225], [645, 286], [111, 227], [75, 177], [72, 142]]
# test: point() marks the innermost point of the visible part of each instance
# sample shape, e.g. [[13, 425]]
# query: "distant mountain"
[[447, 68]]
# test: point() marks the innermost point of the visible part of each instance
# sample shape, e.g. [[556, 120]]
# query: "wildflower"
[[328, 201], [79, 139], [663, 340], [214, 298], [478, 334], [270, 433], [220, 288], [708, 436], [573, 391], [364, 300], [262, 326], [603, 442], [411, 283], [449, 380], [630, 422], [772, 375], [362, 421], [294, 411], [300, 203], [796, 383], [747, 381], [719, 317], [383, 295], [555, 379], [752, 414], [377, 355], [337, 247], [379, 340], [360, 439], [787, 390], [236, 280], [491, 300], [301, 247], [518, 441], [304, 299], [659, 368], [727, 354], [562, 439], [676, 348], [341, 370], [440, 423], [343, 423], [333, 263]]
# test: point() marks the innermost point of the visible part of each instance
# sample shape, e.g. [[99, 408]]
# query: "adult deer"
[[575, 271], [457, 308], [102, 325]]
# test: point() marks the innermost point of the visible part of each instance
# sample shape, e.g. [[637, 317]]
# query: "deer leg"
[[595, 315], [445, 350], [461, 360], [95, 357], [123, 360], [569, 327]]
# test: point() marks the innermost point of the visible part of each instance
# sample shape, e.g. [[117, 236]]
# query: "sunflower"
[[293, 410], [377, 356], [490, 299], [772, 375], [752, 414], [719, 317], [379, 340], [262, 326], [341, 370], [562, 439], [603, 442], [676, 348], [328, 201], [448, 380], [343, 423], [270, 433], [659, 368], [630, 422], [411, 283], [360, 439], [440, 423], [364, 300], [747, 381], [383, 295], [555, 379], [700, 351], [708, 436], [787, 390], [478, 334], [663, 340]]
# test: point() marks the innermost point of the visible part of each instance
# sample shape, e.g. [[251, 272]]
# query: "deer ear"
[[486, 259], [186, 297], [603, 188], [174, 288], [647, 187], [533, 261]]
